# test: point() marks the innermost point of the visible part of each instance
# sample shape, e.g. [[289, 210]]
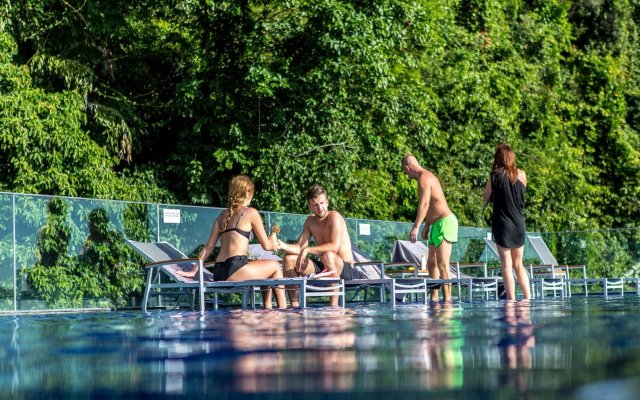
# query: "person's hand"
[[413, 235], [274, 241], [188, 274], [275, 229], [425, 232], [300, 261]]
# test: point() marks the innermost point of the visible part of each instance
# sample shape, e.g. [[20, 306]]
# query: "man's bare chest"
[[321, 233]]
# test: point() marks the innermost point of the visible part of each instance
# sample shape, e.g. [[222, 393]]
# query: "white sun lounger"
[[404, 250], [162, 279]]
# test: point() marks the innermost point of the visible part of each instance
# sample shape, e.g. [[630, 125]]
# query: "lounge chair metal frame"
[[306, 289], [542, 277], [155, 287], [396, 286], [486, 285], [551, 268], [180, 286], [158, 270]]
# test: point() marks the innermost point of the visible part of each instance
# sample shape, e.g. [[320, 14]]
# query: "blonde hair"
[[240, 188]]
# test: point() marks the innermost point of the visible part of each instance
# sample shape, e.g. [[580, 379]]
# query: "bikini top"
[[246, 234]]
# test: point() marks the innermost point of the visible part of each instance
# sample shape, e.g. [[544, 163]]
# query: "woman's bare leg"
[[521, 272], [507, 271], [266, 296], [262, 269]]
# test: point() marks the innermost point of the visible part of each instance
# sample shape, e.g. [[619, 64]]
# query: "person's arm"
[[206, 250], [300, 248], [522, 176], [295, 248], [258, 229], [486, 194], [424, 196]]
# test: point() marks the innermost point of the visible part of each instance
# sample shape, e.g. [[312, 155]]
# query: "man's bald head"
[[411, 166], [409, 159]]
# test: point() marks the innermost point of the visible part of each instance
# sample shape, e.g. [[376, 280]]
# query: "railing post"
[[201, 283], [15, 274], [269, 222], [357, 229]]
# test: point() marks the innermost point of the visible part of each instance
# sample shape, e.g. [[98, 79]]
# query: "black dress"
[[507, 220]]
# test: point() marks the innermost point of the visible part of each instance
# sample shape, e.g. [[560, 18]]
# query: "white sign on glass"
[[170, 216], [365, 229]]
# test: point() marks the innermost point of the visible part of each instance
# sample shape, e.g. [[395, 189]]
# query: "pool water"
[[581, 348]]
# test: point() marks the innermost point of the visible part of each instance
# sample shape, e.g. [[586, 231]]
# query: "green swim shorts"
[[444, 228]]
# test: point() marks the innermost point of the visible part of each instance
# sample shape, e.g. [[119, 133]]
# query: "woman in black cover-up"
[[505, 189]]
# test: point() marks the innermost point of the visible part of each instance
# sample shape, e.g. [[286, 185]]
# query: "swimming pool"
[[579, 348]]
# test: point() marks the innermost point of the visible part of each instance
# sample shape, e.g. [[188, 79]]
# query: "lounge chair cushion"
[[172, 268]]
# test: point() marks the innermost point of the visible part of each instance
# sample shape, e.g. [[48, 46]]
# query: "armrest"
[[473, 265], [368, 263], [548, 268], [478, 264], [403, 267], [542, 267], [401, 264], [380, 265], [576, 267], [168, 262]]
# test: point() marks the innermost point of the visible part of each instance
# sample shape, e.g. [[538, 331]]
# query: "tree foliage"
[[168, 99]]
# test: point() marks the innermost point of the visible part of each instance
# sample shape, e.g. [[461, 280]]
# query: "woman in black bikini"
[[505, 189], [234, 227]]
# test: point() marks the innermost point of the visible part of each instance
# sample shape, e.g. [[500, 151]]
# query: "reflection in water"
[[15, 356], [475, 351], [317, 348], [438, 350], [325, 350], [516, 344]]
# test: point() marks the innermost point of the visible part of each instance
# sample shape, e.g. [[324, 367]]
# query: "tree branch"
[[77, 11], [318, 148]]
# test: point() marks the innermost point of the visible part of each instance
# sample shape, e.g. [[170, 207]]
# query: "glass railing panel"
[[290, 224], [6, 253], [92, 220], [42, 237], [606, 253], [352, 228], [376, 238], [62, 242], [71, 253], [470, 245], [187, 228]]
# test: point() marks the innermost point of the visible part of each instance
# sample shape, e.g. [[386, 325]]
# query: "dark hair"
[[315, 191], [504, 161]]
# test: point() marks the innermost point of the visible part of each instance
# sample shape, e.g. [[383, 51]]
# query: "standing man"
[[444, 225], [332, 250]]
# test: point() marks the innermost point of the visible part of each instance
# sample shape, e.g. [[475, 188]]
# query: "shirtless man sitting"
[[444, 225], [332, 249]]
